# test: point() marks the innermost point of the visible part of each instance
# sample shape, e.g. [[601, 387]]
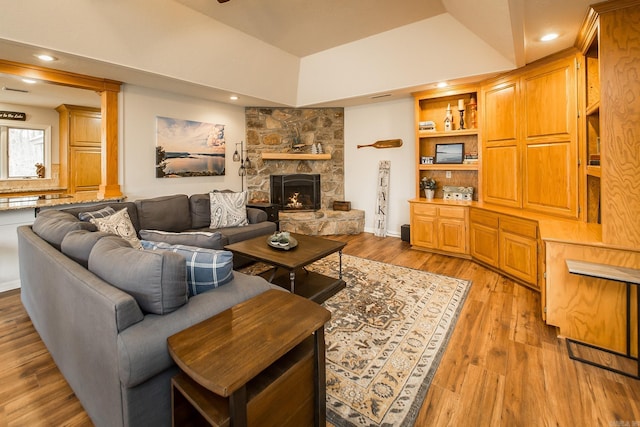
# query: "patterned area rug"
[[388, 331]]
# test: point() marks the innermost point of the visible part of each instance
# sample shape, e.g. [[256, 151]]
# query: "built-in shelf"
[[593, 108], [295, 156], [449, 167], [441, 134], [593, 171]]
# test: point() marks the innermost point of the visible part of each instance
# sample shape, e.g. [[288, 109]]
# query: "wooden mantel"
[[295, 156]]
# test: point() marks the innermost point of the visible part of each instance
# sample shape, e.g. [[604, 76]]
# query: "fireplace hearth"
[[296, 192]]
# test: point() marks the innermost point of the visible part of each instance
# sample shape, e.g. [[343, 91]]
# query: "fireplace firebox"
[[299, 192]]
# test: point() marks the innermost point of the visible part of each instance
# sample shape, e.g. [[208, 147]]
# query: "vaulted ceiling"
[[288, 52]]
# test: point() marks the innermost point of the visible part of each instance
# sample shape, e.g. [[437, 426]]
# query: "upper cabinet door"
[[500, 149], [549, 139]]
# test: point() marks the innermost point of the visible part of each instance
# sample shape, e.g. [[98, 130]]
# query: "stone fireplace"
[[286, 141], [296, 192]]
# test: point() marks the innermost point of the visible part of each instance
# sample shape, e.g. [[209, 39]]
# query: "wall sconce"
[[244, 163]]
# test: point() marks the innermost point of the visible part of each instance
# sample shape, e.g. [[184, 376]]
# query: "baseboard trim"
[[8, 286]]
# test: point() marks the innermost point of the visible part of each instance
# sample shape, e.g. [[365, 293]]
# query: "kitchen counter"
[[39, 201]]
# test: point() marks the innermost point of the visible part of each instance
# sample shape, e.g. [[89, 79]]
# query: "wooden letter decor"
[[380, 217]]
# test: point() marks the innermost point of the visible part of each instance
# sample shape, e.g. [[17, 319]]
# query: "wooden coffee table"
[[289, 271]]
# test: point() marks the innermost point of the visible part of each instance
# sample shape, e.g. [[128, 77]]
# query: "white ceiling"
[[304, 28]]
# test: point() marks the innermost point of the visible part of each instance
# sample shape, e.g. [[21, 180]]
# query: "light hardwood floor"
[[503, 366]]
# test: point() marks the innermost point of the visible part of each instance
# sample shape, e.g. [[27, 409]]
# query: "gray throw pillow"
[[228, 209], [200, 239], [156, 279], [206, 268]]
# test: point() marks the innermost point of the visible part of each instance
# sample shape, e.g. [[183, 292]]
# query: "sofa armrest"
[[255, 215], [142, 348]]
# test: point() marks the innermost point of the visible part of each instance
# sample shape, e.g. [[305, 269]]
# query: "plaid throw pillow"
[[206, 268]]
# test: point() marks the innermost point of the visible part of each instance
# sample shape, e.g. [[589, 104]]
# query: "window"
[[22, 148]]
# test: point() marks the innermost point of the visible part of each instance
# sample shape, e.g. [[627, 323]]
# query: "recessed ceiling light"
[[233, 98], [29, 81], [548, 37], [442, 84], [46, 58]]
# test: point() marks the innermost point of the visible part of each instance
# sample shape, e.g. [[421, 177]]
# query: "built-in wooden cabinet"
[[530, 146], [502, 183], [483, 236], [506, 243], [587, 309], [549, 138], [80, 148], [442, 228], [518, 243]]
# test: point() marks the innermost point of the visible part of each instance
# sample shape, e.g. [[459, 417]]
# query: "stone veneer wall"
[[278, 130]]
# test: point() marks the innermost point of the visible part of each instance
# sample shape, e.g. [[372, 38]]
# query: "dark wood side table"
[[261, 362], [627, 276]]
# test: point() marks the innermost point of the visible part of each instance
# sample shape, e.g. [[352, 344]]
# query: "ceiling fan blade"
[[222, 1]]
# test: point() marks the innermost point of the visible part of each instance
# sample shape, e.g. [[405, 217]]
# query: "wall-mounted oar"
[[386, 143]]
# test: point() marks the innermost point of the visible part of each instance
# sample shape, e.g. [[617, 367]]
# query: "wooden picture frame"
[[449, 153]]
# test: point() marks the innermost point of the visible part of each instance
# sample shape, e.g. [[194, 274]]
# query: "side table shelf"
[[629, 277], [260, 362]]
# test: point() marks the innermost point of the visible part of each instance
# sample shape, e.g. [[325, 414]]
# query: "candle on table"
[[460, 104]]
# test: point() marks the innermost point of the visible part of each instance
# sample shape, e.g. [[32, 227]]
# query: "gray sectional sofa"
[[105, 310]]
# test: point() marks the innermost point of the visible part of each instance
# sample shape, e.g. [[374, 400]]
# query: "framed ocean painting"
[[188, 148]]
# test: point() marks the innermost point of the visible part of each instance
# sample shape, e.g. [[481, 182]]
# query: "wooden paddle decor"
[[386, 143]]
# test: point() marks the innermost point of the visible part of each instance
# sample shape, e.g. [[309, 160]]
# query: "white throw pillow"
[[119, 224], [228, 209]]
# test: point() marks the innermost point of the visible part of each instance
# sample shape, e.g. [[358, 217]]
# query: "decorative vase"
[[428, 193]]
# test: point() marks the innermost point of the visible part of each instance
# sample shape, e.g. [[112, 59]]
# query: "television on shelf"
[[449, 153]]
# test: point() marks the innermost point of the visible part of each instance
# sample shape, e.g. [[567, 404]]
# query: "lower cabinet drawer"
[[519, 226]]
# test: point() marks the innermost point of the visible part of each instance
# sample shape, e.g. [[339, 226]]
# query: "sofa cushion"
[[77, 244], [119, 224], [200, 207], [200, 239], [238, 234], [167, 213], [228, 209], [100, 213], [156, 279], [132, 210], [53, 225], [206, 268]]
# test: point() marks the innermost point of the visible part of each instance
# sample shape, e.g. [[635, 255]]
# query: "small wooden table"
[[628, 276], [261, 362], [289, 271]]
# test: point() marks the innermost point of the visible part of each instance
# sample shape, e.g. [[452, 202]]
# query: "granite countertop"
[[10, 203]]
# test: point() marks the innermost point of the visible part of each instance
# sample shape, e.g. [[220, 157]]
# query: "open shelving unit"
[[432, 106], [591, 125]]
